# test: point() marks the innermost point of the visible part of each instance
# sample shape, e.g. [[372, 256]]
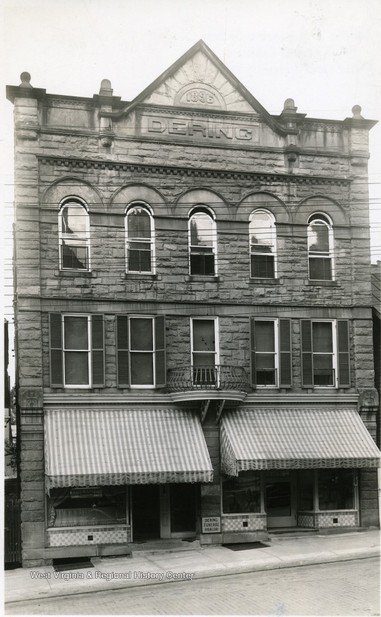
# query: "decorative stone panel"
[[339, 518], [119, 534], [242, 522], [306, 519]]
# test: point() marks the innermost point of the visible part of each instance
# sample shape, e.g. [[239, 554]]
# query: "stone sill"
[[264, 281], [316, 283], [203, 278], [140, 276], [75, 273]]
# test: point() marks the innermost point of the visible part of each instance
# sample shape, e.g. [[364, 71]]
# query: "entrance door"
[[280, 498], [183, 510], [146, 512]]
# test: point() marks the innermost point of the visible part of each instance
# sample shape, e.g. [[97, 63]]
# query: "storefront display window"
[[336, 489], [242, 494], [74, 507], [306, 489]]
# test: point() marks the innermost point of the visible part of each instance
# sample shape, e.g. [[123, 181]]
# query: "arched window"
[[262, 236], [140, 239], [74, 236], [202, 242], [320, 248]]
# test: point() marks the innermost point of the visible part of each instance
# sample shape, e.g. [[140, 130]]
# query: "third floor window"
[[262, 244]]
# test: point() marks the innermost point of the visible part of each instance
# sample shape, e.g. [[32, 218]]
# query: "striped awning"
[[94, 447], [294, 438]]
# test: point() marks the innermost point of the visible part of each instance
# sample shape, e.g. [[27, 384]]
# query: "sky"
[[325, 54]]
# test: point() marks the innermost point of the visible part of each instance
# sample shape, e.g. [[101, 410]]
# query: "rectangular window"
[[141, 351], [76, 351], [270, 352], [72, 507], [242, 495], [325, 353], [262, 266], [336, 489], [204, 351]]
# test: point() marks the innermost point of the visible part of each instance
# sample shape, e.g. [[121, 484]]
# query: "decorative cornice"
[[215, 114], [175, 170]]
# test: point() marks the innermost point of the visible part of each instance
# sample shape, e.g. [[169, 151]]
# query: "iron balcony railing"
[[216, 377]]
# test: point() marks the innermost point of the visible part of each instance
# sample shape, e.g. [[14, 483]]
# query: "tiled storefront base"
[[242, 522], [117, 534], [328, 518]]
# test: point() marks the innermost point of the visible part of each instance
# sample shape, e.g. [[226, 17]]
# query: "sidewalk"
[[147, 568]]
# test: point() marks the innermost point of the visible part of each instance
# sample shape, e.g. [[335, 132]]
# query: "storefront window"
[[73, 507], [336, 489], [306, 490], [242, 494]]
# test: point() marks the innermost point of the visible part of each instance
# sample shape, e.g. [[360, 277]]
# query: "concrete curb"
[[274, 563]]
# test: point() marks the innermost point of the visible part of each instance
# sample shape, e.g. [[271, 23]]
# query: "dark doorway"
[[146, 512], [183, 508]]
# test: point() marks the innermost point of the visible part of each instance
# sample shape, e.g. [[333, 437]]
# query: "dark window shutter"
[[343, 355], [285, 365], [56, 352], [307, 368], [97, 351], [123, 371], [160, 351], [252, 352]]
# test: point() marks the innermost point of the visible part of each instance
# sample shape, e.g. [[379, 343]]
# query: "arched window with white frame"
[[140, 248], [262, 238], [202, 242], [320, 248], [74, 236]]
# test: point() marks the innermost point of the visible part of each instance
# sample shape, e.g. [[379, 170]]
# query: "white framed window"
[[263, 250], [202, 242], [325, 353], [271, 364], [140, 245], [320, 248], [141, 351], [74, 236], [204, 350], [76, 350]]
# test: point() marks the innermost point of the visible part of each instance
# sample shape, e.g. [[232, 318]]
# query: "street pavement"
[[158, 567], [343, 588]]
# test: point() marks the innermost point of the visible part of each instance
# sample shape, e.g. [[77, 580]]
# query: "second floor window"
[[202, 242], [320, 248], [262, 244], [325, 353], [270, 352], [76, 350], [74, 237], [141, 351], [140, 245], [204, 351]]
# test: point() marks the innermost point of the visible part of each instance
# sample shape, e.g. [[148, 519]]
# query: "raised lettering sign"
[[211, 524]]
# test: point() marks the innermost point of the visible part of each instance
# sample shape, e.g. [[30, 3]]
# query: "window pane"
[[203, 335], [141, 369], [74, 220], [262, 266], [242, 494], [139, 224], [74, 256], [262, 232], [87, 506], [201, 230], [336, 489], [76, 368], [139, 257], [318, 240], [323, 370], [202, 264], [322, 337], [76, 332], [141, 334], [305, 490], [264, 336], [320, 269]]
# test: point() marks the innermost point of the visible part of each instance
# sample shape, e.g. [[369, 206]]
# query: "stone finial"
[[356, 110], [105, 89], [289, 106], [25, 80]]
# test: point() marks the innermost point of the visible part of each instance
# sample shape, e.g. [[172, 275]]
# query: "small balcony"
[[208, 382]]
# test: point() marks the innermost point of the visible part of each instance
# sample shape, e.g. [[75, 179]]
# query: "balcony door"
[[204, 351]]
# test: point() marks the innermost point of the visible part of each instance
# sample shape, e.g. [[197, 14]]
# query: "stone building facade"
[[194, 316]]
